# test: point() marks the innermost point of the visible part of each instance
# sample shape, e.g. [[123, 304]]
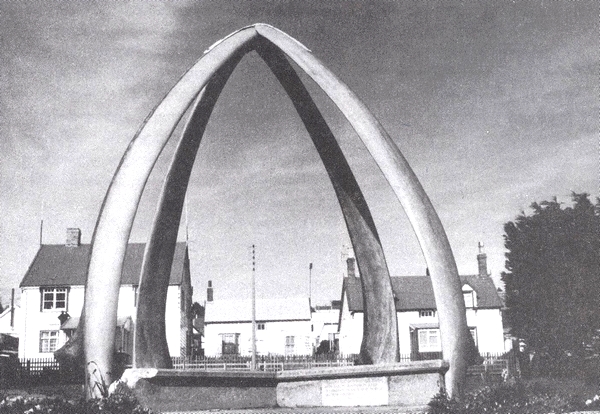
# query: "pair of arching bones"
[[200, 86]]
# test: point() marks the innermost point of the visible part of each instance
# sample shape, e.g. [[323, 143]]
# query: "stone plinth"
[[407, 384], [402, 385]]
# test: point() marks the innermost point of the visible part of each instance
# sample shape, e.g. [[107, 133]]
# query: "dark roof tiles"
[[416, 292], [59, 265]]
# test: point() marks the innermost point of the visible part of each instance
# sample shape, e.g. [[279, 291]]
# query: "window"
[[289, 345], [426, 313], [469, 296], [429, 340], [48, 341], [230, 343], [332, 337], [54, 299], [260, 326], [474, 335]]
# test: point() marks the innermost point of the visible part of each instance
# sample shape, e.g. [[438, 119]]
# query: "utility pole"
[[187, 235], [42, 224], [12, 309], [310, 266], [253, 363]]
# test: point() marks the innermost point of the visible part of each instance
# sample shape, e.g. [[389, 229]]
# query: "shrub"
[[441, 404], [121, 402], [508, 398]]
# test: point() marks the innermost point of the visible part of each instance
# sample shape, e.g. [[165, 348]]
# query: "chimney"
[[350, 263], [73, 237], [209, 292], [12, 308], [482, 261]]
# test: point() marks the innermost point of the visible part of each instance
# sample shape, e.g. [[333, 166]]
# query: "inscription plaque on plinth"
[[355, 392]]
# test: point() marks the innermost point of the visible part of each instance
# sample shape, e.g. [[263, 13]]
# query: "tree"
[[553, 279]]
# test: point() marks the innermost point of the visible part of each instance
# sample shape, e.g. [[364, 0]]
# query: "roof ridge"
[[61, 265], [469, 275], [416, 292]]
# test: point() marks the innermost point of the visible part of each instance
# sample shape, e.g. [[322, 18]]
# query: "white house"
[[53, 292], [10, 321], [418, 326], [283, 327], [325, 324]]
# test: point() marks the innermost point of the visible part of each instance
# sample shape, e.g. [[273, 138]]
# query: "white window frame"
[[290, 345], [473, 332], [49, 341], [230, 338], [135, 295], [469, 296], [332, 337], [427, 313], [425, 337], [49, 296]]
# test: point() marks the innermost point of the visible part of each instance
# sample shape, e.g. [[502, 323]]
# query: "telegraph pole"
[[310, 266], [253, 363], [42, 224]]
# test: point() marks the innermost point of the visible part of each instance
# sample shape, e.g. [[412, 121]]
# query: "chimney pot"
[[209, 292], [482, 261], [351, 269], [73, 237]]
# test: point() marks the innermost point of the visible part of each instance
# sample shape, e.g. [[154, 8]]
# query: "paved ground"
[[328, 410], [315, 410], [332, 410]]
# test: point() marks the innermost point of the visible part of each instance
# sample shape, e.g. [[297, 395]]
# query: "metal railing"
[[48, 370], [491, 363], [263, 363]]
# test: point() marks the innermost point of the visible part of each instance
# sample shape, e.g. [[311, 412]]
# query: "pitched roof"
[[227, 311], [73, 323], [7, 310], [59, 265], [416, 292]]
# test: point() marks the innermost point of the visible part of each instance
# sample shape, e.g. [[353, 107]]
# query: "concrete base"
[[401, 385]]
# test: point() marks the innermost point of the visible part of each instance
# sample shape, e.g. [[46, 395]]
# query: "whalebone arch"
[[150, 349], [200, 87]]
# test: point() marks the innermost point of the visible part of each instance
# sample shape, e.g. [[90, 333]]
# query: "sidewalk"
[[314, 410], [328, 410]]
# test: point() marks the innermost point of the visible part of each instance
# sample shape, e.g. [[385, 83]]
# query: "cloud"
[[493, 104]]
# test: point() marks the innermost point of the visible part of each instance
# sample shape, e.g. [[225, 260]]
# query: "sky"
[[493, 103]]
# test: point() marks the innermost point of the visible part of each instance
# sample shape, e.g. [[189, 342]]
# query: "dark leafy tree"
[[553, 278]]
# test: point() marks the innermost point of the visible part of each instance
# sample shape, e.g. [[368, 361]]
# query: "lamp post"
[[253, 363]]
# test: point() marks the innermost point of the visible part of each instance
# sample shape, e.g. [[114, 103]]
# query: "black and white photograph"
[[281, 206]]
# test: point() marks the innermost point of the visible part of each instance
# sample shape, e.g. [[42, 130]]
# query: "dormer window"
[[470, 296]]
